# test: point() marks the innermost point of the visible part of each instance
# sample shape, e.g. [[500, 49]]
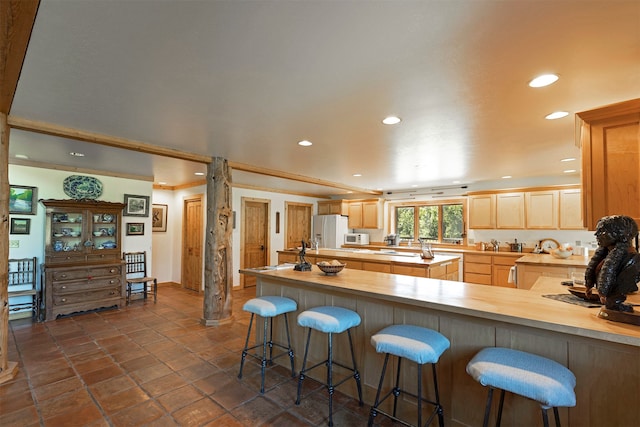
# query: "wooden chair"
[[136, 274], [23, 290]]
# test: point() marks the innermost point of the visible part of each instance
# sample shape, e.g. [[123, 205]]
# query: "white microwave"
[[356, 239]]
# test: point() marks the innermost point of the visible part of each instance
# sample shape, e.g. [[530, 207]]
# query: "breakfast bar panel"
[[603, 355]]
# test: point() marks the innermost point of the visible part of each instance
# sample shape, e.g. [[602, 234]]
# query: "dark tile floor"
[[156, 365]]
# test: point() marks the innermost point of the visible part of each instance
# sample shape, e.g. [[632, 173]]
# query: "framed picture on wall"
[[23, 200], [136, 205], [159, 217], [135, 228], [20, 226]]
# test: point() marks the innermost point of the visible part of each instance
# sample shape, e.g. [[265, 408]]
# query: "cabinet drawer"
[[64, 257], [374, 266], [483, 279], [504, 260], [84, 273], [82, 285], [478, 259], [409, 271], [88, 295], [438, 271], [101, 257], [477, 268]]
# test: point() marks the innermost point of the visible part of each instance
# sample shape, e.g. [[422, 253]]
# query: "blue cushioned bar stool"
[[535, 377], [330, 320], [420, 345], [268, 307]]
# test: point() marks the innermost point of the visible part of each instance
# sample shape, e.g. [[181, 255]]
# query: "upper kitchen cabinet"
[[482, 211], [510, 210], [333, 207], [542, 209], [536, 208], [609, 138], [364, 214]]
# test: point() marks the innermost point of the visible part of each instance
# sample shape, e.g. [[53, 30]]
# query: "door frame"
[[267, 230]]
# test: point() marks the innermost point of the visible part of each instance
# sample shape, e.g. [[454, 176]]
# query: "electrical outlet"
[[14, 243]]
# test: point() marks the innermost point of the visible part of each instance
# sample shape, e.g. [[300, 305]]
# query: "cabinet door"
[[500, 276], [482, 211], [610, 141], [542, 209], [571, 210], [355, 215], [369, 215], [324, 208], [510, 210]]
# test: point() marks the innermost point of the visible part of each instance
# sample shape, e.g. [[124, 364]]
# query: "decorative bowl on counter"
[[330, 268], [562, 252]]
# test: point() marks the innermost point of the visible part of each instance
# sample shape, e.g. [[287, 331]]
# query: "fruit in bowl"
[[331, 267], [564, 252]]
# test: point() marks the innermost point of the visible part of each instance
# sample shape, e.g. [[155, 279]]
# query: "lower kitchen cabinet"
[[73, 289], [488, 269], [528, 273]]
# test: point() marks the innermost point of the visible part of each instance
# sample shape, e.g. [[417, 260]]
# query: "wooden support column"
[[218, 262], [8, 370]]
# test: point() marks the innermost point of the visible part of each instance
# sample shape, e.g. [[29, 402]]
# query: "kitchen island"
[[532, 266], [384, 261], [604, 356]]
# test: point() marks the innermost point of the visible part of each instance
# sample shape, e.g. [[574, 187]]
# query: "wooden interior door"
[[192, 235], [255, 236], [298, 219]]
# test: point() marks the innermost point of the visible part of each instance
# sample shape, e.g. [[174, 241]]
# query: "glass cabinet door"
[[67, 231], [104, 230]]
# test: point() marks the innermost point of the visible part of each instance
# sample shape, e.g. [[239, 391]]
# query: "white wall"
[[49, 185]]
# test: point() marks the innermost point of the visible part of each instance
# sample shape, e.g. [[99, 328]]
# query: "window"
[[436, 222]]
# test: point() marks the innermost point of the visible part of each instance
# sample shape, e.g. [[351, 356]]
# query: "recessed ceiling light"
[[543, 80], [21, 156], [161, 183], [556, 115], [568, 159], [357, 174], [391, 120], [506, 177], [305, 143], [414, 185], [570, 171], [199, 173], [76, 154]]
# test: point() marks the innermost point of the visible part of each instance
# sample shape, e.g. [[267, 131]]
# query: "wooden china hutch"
[[83, 268]]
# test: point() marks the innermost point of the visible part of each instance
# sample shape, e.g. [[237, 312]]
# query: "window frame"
[[420, 203]]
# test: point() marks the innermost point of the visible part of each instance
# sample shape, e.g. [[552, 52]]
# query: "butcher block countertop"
[[512, 306], [547, 259], [380, 256]]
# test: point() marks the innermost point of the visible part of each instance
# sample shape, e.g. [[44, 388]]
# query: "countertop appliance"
[[391, 239], [329, 230], [356, 239]]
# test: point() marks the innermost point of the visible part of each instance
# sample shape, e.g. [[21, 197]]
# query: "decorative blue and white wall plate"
[[82, 187]]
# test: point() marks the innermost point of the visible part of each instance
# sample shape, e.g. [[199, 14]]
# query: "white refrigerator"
[[330, 229]]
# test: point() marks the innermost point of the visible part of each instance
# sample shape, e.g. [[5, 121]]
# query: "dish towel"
[[512, 275]]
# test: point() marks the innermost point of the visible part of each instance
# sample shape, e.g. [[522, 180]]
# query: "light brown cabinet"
[[609, 138], [529, 273], [488, 269], [482, 211], [542, 209], [364, 214], [333, 207], [510, 210], [548, 208], [83, 267]]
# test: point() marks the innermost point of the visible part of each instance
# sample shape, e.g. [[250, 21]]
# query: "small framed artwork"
[[23, 200], [135, 228], [136, 205], [20, 225], [159, 217]]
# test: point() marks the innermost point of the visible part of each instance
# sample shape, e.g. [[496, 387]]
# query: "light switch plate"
[[14, 243]]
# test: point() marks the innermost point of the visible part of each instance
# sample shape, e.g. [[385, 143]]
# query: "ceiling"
[[247, 80]]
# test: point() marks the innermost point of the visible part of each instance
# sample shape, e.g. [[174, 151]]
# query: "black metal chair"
[[136, 273]]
